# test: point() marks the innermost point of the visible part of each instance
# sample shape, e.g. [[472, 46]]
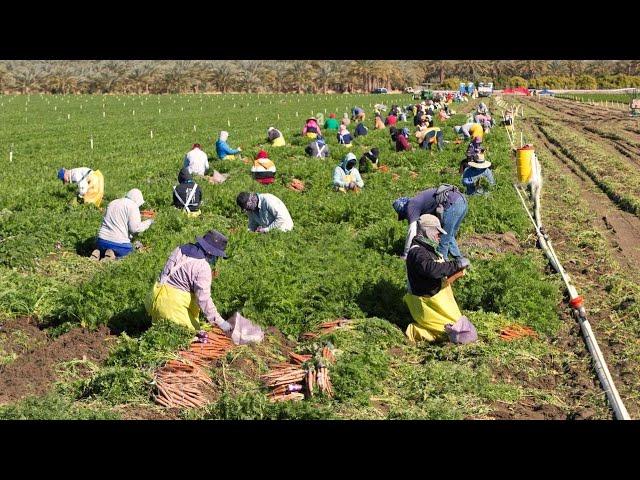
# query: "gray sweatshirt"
[[121, 221]]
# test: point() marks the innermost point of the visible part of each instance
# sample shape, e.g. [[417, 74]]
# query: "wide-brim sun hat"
[[483, 164], [214, 243]]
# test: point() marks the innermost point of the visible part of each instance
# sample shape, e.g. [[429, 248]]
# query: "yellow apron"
[[170, 303], [230, 157], [279, 142], [347, 179], [311, 135], [431, 314], [95, 189]]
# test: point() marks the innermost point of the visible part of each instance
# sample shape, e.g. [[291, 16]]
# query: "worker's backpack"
[[442, 195]]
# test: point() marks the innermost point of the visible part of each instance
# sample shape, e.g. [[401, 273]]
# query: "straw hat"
[[479, 161]]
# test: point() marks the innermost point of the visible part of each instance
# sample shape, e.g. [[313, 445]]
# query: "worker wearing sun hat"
[[184, 286], [311, 128], [90, 183], [275, 137], [429, 296], [477, 169], [224, 151], [120, 222]]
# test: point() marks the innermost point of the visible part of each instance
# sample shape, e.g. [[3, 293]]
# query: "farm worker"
[[266, 212], [370, 160], [331, 123], [275, 137], [224, 151], [391, 120], [345, 119], [263, 169], [393, 132], [476, 170], [184, 286], [357, 113], [379, 124], [442, 115], [473, 150], [470, 130], [360, 130], [196, 160], [402, 140], [430, 297], [483, 109], [346, 176], [120, 222], [420, 113], [344, 137], [311, 128], [90, 183], [317, 148], [447, 202], [428, 135], [187, 195]]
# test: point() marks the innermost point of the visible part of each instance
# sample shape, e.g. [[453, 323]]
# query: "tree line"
[[304, 76]]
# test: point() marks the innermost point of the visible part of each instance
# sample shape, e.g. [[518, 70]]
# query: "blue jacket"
[[223, 149]]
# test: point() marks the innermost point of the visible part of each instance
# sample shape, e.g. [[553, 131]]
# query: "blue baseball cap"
[[61, 174]]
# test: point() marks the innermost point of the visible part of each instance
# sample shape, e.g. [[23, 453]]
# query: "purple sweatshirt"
[[192, 275]]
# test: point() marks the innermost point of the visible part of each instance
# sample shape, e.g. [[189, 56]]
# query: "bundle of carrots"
[[327, 327], [296, 185], [287, 381], [184, 382], [148, 213], [383, 168], [515, 331], [284, 380], [395, 177], [413, 174]]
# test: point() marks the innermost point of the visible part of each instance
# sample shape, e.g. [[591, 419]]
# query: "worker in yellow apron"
[[90, 183], [430, 298], [346, 176], [184, 287]]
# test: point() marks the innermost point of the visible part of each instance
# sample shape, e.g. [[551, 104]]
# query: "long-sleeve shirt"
[[472, 175], [80, 176], [402, 143], [426, 269], [196, 161], [121, 221], [223, 149], [271, 214], [342, 178], [192, 275], [424, 202]]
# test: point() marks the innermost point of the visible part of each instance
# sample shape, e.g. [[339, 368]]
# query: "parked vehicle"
[[485, 89], [380, 90]]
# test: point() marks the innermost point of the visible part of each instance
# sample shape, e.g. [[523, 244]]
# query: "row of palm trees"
[[302, 76]]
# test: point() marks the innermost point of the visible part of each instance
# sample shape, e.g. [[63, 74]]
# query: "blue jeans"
[[451, 220], [120, 249]]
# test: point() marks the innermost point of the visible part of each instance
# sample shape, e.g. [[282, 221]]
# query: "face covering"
[[212, 259]]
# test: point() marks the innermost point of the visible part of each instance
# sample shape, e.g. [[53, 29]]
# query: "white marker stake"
[[11, 156], [103, 114], [68, 116], [159, 110], [194, 128], [151, 133], [296, 114], [91, 143], [228, 122], [278, 116], [55, 109], [256, 119], [134, 112]]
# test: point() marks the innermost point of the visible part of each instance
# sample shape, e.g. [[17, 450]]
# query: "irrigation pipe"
[[579, 312]]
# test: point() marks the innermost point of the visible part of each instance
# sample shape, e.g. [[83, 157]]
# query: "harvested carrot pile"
[[384, 168], [148, 213], [184, 382], [327, 327], [413, 174], [287, 381], [515, 331]]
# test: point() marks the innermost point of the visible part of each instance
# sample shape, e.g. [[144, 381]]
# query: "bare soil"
[[34, 371]]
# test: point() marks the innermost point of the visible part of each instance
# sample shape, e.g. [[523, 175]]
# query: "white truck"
[[485, 89]]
